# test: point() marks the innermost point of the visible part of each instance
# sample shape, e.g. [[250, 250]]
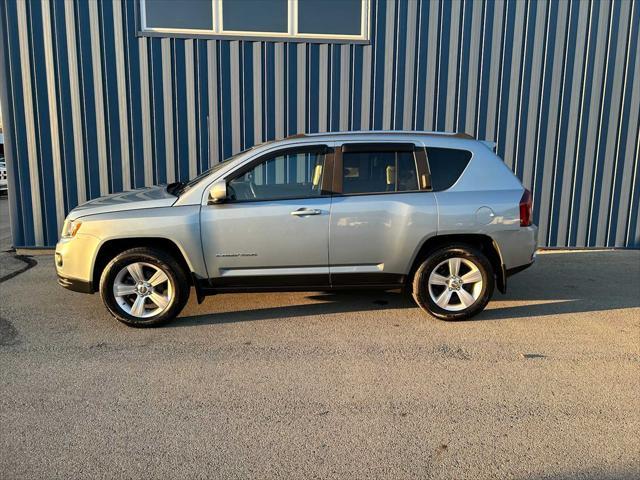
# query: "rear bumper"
[[517, 247], [512, 271], [75, 284]]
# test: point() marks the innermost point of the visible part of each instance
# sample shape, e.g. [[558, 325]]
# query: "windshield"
[[213, 169], [178, 188]]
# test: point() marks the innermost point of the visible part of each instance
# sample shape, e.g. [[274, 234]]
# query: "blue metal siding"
[[90, 108]]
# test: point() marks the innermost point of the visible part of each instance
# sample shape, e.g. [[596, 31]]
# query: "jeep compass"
[[437, 214]]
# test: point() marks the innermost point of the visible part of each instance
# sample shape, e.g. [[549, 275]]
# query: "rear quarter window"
[[446, 165]]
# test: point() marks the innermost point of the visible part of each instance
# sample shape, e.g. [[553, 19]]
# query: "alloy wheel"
[[143, 290], [455, 284]]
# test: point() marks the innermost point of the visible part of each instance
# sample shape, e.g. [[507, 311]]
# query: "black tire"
[[158, 258], [421, 293]]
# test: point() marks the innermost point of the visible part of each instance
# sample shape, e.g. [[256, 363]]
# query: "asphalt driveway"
[[545, 383]]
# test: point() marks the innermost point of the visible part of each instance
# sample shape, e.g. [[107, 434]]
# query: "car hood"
[[150, 197]]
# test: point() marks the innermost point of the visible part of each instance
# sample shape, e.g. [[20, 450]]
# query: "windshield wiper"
[[176, 188]]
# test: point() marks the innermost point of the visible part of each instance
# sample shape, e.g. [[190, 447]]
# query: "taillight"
[[526, 202]]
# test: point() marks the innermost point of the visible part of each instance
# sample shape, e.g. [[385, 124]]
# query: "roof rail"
[[464, 135], [378, 132]]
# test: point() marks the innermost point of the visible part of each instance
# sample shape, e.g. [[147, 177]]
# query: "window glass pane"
[[254, 15], [375, 172], [446, 166], [338, 17], [407, 173], [292, 175], [186, 14]]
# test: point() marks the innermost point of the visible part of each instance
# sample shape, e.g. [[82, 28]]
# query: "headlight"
[[70, 228]]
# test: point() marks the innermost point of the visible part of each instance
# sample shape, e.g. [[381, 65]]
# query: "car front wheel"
[[454, 283], [144, 287]]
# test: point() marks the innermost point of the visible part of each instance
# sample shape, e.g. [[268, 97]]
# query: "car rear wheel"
[[144, 287], [454, 283]]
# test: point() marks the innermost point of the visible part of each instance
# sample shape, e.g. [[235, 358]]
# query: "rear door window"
[[446, 166], [379, 172]]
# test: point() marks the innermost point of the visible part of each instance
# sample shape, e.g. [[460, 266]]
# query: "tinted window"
[[187, 14], [446, 166], [376, 172], [255, 15], [338, 17], [291, 175]]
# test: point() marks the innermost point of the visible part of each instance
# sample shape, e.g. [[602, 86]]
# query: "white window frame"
[[291, 33]]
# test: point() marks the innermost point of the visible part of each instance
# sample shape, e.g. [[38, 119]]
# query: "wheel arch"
[[482, 242], [110, 248]]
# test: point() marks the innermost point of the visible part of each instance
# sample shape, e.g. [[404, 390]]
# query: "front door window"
[[289, 175]]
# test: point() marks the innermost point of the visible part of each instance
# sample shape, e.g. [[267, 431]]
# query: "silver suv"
[[439, 214]]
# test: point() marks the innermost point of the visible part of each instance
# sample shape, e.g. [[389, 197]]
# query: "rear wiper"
[[176, 188]]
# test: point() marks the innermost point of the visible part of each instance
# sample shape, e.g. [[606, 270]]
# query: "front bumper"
[[75, 285], [74, 260]]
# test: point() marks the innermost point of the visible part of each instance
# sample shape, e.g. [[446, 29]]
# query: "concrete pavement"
[[10, 264], [544, 384]]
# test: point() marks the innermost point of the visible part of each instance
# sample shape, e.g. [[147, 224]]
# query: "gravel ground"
[[543, 384]]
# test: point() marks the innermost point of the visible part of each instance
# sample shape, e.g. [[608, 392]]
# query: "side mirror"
[[218, 192]]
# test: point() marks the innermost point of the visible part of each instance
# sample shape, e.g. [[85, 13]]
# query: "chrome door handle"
[[301, 212]]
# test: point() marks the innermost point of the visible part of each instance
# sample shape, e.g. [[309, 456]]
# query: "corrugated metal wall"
[[91, 108]]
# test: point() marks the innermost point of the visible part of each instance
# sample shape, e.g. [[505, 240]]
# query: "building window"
[[330, 17], [193, 15], [321, 20], [265, 16]]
